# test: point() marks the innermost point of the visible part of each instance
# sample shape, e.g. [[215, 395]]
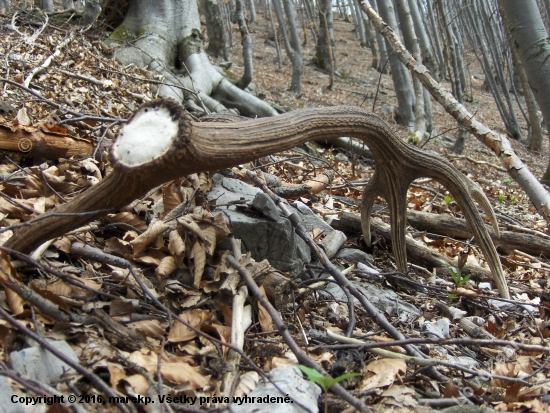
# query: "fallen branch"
[[49, 60], [418, 252], [42, 145]]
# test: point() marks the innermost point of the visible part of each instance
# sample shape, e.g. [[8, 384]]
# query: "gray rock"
[[264, 231], [291, 382], [6, 404], [39, 364], [385, 300], [354, 255]]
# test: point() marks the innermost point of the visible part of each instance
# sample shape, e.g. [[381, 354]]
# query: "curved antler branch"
[[160, 143]]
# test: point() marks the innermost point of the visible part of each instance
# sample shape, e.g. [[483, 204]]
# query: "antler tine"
[[391, 184], [481, 198], [393, 175], [463, 189], [371, 191]]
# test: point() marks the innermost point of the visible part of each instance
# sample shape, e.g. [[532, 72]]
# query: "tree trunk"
[[291, 41], [428, 58], [411, 42], [533, 45], [399, 73], [252, 8], [535, 128], [323, 49], [381, 42], [169, 40], [92, 8], [246, 42], [4, 6], [46, 5], [215, 28], [437, 40], [359, 25], [275, 36]]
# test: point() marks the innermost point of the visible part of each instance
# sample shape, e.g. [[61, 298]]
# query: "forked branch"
[[160, 143]]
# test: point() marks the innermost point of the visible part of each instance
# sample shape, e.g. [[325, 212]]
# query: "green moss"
[[121, 34], [230, 74], [414, 139]]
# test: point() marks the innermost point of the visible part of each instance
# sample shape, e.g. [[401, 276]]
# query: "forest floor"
[[84, 78]]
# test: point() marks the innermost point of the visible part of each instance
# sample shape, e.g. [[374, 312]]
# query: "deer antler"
[[160, 143]]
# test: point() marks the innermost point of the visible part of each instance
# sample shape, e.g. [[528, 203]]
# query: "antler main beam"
[[160, 143]]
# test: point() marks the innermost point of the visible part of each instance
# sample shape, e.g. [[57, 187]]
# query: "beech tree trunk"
[[291, 39], [428, 58], [215, 28], [4, 6], [92, 8], [168, 39], [246, 42], [325, 41], [46, 5], [530, 37], [400, 75]]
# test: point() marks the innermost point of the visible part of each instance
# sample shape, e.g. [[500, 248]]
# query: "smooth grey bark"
[[367, 29], [454, 58], [488, 40], [383, 66], [452, 53], [371, 36], [215, 28], [92, 8], [428, 57], [291, 39], [4, 6], [534, 137], [306, 8], [501, 60], [326, 34], [359, 25], [400, 74], [171, 43], [436, 38], [226, 16], [277, 45], [246, 42], [530, 37], [252, 8], [46, 5], [412, 44]]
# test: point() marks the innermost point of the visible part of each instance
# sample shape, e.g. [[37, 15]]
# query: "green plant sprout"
[[448, 199], [501, 198], [324, 381], [458, 278]]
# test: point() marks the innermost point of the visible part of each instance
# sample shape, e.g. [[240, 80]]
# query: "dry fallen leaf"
[[180, 332], [382, 373]]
